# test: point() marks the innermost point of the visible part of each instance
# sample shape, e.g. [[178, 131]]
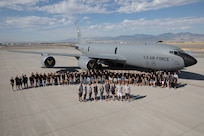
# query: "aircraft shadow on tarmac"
[[132, 98], [136, 97], [127, 67], [74, 69], [66, 69], [191, 75], [180, 85]]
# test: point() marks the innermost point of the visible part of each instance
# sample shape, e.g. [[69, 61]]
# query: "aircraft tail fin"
[[80, 40]]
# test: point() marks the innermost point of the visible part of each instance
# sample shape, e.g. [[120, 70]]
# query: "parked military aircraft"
[[154, 56]]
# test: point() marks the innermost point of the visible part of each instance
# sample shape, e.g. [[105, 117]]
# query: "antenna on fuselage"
[[159, 41]]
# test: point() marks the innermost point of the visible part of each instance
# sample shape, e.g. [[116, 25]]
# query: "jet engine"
[[87, 63], [47, 61]]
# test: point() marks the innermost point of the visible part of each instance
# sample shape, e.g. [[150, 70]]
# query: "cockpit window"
[[177, 52], [174, 52]]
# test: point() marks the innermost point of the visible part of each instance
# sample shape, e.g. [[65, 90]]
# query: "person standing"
[[112, 88], [80, 91], [36, 76], [127, 91], [85, 92], [25, 81], [90, 92], [44, 79], [17, 80], [21, 82], [63, 78], [107, 89], [175, 80], [119, 89], [95, 91], [31, 81], [101, 91], [12, 83]]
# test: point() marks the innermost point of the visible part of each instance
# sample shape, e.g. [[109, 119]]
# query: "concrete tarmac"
[[55, 110]]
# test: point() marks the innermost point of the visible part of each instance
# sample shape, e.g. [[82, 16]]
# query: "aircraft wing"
[[49, 53], [105, 57]]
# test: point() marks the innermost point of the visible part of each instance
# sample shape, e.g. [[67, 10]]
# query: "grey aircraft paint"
[[155, 56]]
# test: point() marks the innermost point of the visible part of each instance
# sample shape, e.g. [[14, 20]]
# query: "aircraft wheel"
[[99, 66]]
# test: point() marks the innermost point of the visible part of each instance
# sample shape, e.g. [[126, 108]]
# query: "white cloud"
[[75, 7], [132, 6], [95, 26], [71, 7], [33, 22], [109, 6], [85, 18], [144, 26], [154, 26], [18, 4]]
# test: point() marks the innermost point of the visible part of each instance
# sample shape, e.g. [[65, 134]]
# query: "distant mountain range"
[[178, 37]]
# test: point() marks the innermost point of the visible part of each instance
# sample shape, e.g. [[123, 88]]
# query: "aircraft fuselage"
[[156, 56]]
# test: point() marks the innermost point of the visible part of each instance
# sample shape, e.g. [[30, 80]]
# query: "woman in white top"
[[119, 91]]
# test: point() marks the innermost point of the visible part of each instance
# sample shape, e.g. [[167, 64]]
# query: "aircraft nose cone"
[[188, 60]]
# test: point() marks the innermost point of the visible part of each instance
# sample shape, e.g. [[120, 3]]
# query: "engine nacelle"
[[86, 63], [47, 61]]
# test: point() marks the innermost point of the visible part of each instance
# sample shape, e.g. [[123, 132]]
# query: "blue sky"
[[53, 20]]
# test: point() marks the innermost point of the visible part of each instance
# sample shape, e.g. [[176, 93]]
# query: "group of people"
[[159, 78], [105, 91], [38, 80], [20, 82]]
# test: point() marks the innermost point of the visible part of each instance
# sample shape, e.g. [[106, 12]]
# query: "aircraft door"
[[116, 49]]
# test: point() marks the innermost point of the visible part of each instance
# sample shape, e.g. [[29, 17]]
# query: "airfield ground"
[[55, 110]]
